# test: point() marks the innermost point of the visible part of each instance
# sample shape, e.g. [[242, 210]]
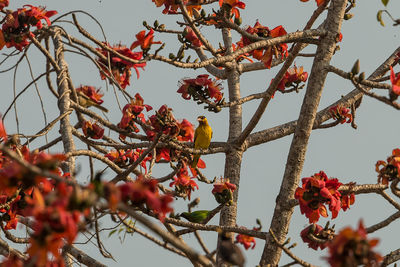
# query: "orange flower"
[[144, 40], [352, 248]]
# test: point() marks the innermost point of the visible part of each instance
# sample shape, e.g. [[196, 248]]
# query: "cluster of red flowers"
[[201, 87], [352, 248], [389, 170], [15, 31], [341, 114], [223, 191], [124, 158], [120, 69], [184, 184], [317, 191], [265, 54], [164, 122], [140, 192], [292, 78], [55, 207], [57, 215]]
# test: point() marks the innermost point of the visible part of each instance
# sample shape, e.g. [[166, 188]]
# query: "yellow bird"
[[202, 137]]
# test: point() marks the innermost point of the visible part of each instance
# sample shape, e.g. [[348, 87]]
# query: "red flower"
[[3, 4], [395, 79], [352, 248], [134, 155], [316, 236], [164, 121], [184, 185], [317, 191], [36, 14], [131, 113], [293, 77], [235, 4], [120, 69], [163, 153], [200, 87], [341, 114], [92, 130], [390, 169], [246, 241], [223, 190], [144, 40], [319, 2], [191, 37], [265, 54], [186, 132], [347, 200], [170, 6], [3, 133]]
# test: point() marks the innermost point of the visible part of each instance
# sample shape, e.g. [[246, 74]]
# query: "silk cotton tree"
[[45, 193]]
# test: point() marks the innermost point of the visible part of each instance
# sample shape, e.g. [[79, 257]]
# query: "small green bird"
[[202, 138], [229, 252], [197, 216]]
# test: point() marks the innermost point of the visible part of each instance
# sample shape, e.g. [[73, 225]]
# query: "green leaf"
[[379, 17], [112, 232], [385, 2]]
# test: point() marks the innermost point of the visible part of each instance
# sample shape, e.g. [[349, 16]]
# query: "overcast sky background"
[[341, 152]]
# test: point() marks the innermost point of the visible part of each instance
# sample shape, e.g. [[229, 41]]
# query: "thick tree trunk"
[[294, 165], [233, 158], [64, 100]]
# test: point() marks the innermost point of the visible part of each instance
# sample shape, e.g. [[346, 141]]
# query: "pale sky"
[[341, 152]]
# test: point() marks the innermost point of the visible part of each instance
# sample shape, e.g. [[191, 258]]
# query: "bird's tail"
[[101, 108], [195, 161]]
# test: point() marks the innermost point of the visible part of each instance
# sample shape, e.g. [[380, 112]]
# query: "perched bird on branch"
[[197, 216], [229, 252], [202, 137], [86, 101]]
